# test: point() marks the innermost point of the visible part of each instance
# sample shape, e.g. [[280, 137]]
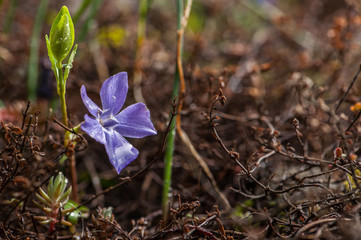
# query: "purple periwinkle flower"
[[109, 125]]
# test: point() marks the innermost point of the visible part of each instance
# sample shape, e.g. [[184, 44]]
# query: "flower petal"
[[113, 93], [93, 128], [134, 122], [89, 104], [119, 150]]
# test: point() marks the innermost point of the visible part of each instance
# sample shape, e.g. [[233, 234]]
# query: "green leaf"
[[40, 206], [46, 222], [70, 63], [51, 58], [64, 183], [74, 215], [44, 196], [66, 223], [51, 187], [65, 196], [42, 200], [59, 186]]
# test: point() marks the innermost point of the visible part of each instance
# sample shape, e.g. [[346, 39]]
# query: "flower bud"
[[338, 152], [61, 35]]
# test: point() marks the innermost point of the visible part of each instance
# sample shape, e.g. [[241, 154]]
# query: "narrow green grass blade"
[[83, 6], [10, 16], [168, 158], [33, 71], [92, 14]]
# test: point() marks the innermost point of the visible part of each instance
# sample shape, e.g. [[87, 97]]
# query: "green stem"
[[34, 50], [168, 163], [61, 93], [61, 83], [63, 108], [168, 159]]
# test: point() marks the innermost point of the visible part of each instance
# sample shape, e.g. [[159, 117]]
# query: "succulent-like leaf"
[[46, 222], [59, 184], [65, 196], [38, 205], [47, 210], [44, 196], [66, 223], [59, 179], [50, 187], [43, 200], [56, 195], [40, 218], [64, 183]]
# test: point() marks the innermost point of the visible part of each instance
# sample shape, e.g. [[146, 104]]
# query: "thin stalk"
[[10, 16], [61, 93], [33, 71], [180, 35], [168, 159], [80, 11], [167, 177], [73, 172], [64, 115], [141, 31], [93, 11]]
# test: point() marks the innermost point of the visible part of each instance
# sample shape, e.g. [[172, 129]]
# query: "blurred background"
[[293, 35]]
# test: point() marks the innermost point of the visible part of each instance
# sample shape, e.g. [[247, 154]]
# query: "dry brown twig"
[[221, 198], [304, 182]]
